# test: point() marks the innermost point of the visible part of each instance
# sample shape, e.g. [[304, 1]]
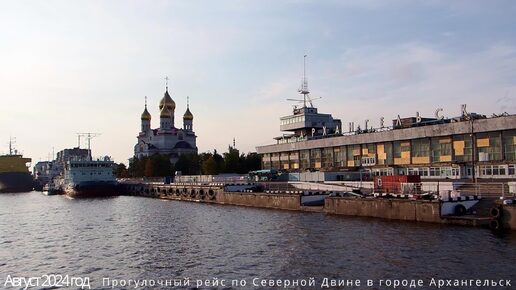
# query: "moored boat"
[[54, 186], [89, 178], [14, 172]]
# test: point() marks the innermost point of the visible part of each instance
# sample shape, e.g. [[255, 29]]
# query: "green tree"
[[121, 171], [232, 160], [149, 167], [210, 166], [219, 160], [188, 164], [137, 166], [162, 165], [252, 162]]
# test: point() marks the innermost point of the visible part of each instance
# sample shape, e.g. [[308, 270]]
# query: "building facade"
[[469, 146], [166, 139]]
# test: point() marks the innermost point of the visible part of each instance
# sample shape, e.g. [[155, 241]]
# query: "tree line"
[[207, 163]]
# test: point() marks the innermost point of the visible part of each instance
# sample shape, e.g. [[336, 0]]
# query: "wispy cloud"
[[87, 65]]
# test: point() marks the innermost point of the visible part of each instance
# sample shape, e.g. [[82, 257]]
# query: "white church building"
[[167, 139]]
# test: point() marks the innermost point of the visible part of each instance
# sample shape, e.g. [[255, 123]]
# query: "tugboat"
[[14, 172]]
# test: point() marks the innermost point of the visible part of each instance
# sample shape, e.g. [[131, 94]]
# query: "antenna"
[[166, 81], [304, 83], [88, 136], [12, 141], [304, 89]]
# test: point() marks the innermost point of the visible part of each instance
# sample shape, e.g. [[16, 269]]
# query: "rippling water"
[[143, 238]]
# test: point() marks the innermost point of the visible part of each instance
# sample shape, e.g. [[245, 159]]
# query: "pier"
[[286, 196]]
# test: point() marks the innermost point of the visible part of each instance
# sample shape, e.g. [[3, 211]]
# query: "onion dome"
[[168, 102], [146, 116], [165, 113], [188, 115]]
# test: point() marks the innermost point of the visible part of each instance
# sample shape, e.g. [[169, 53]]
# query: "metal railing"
[[492, 190]]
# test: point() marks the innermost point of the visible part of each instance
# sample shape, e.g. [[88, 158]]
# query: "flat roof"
[[438, 130]]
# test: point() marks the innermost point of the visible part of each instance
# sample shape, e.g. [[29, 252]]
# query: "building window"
[[315, 158], [294, 160], [421, 148], [304, 157], [463, 148], [340, 156], [284, 160], [489, 146], [266, 161], [275, 160], [401, 152], [327, 157], [509, 145]]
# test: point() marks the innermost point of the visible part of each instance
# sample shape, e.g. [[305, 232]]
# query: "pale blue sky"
[[79, 66]]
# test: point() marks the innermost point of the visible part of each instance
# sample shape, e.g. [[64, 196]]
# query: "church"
[[167, 139]]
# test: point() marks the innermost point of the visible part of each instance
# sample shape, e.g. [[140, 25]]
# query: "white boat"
[[89, 178], [54, 186]]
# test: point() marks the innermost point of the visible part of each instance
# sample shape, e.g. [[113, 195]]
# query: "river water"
[[143, 239]]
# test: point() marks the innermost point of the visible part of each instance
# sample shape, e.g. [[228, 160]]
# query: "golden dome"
[[165, 113], [167, 100], [188, 115], [146, 116]]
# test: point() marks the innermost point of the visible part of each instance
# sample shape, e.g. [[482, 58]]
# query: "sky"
[[86, 66]]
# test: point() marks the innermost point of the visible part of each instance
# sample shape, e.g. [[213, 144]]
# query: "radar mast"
[[303, 90]]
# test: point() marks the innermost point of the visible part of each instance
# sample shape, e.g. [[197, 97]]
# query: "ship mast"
[[88, 136], [12, 151]]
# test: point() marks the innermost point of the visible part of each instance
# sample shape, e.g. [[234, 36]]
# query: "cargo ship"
[[14, 172]]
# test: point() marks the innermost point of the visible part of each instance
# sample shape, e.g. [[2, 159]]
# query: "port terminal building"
[[470, 146]]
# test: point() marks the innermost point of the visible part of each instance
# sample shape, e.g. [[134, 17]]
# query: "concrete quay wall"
[[213, 194], [394, 209], [509, 217], [264, 200]]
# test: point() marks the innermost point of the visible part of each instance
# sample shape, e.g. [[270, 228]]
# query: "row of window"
[[77, 165], [459, 148], [84, 173], [449, 171], [292, 120], [497, 170]]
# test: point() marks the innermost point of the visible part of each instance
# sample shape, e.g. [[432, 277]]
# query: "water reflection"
[[141, 238]]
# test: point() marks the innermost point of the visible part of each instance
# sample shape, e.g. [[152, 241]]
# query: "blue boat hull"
[[16, 182], [93, 189]]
